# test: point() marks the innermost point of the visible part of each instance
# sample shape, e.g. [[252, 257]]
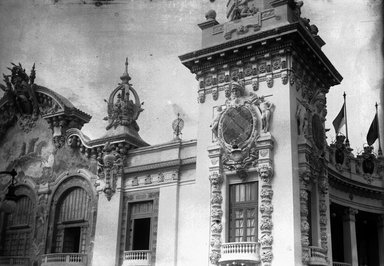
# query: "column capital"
[[380, 220], [349, 214]]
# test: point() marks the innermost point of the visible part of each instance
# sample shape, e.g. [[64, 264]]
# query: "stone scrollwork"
[[110, 168]]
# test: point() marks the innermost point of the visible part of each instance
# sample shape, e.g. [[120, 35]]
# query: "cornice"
[[160, 165], [295, 32], [163, 146], [354, 204], [342, 183]]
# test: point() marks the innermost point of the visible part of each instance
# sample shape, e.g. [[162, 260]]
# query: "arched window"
[[71, 224], [17, 229]]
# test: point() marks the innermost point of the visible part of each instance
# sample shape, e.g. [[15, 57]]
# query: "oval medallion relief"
[[237, 126]]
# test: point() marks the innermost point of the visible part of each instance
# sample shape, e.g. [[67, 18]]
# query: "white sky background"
[[80, 49]]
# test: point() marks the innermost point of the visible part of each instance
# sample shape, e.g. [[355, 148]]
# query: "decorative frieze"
[[151, 179], [250, 71]]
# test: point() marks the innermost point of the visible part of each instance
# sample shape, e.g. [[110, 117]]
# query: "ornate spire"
[[125, 77], [124, 107]]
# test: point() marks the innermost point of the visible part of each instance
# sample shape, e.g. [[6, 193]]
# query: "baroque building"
[[259, 185]]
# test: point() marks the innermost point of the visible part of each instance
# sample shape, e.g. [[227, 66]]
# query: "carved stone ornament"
[[270, 81], [110, 168], [265, 171], [236, 130], [215, 94], [216, 216], [284, 78], [22, 105], [122, 110], [201, 97], [252, 22]]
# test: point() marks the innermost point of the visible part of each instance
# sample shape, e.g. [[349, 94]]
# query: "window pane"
[[243, 212]]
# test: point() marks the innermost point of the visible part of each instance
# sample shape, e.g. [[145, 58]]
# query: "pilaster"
[[216, 225], [265, 171], [107, 234], [167, 226]]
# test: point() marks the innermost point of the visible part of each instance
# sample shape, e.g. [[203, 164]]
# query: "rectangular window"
[[243, 212], [139, 226]]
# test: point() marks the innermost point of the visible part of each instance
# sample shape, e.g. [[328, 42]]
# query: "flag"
[[339, 120], [373, 132]]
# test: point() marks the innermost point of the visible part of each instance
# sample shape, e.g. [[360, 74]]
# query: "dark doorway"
[[141, 233], [337, 213], [71, 241], [367, 238]]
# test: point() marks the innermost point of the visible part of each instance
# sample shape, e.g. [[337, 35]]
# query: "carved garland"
[[265, 171]]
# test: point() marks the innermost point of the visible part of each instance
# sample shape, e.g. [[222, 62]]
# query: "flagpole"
[[378, 133], [346, 123]]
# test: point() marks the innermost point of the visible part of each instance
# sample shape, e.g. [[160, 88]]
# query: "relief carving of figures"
[[242, 10]]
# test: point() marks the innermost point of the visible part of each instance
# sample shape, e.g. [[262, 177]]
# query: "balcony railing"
[[240, 252], [19, 261], [64, 259], [317, 256], [137, 258], [341, 264]]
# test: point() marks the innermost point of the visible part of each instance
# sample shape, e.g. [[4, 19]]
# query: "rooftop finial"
[[125, 77], [177, 125]]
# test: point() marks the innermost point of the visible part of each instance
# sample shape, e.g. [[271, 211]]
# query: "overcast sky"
[[80, 49]]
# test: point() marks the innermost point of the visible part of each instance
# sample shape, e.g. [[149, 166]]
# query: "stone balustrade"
[[64, 259], [137, 258], [240, 251], [317, 256], [19, 261], [340, 264]]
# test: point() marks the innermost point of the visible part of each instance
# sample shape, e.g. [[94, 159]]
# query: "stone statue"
[[266, 115]]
